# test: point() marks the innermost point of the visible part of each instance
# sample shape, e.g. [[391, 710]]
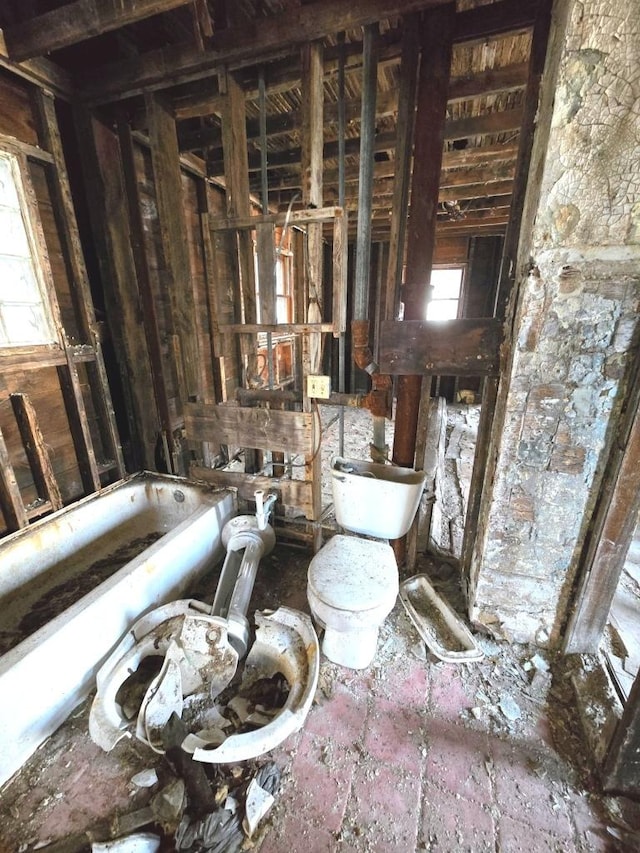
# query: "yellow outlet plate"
[[319, 386]]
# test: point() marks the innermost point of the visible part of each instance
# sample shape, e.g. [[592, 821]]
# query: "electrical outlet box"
[[319, 386]]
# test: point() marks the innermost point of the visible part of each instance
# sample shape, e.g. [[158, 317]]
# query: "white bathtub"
[[174, 526]]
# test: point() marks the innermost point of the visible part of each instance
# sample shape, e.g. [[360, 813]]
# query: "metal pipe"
[[341, 197], [365, 188]]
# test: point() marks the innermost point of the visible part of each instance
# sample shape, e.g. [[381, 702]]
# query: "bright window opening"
[[445, 294], [24, 316]]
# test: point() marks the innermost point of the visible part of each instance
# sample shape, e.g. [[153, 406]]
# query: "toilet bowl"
[[352, 586], [352, 583]]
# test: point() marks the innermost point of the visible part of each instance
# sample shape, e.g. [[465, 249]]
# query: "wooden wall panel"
[[16, 110]]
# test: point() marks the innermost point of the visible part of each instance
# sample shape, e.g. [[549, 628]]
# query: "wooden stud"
[[101, 164], [36, 450], [13, 509], [402, 163], [173, 234], [81, 291], [79, 424], [149, 315]]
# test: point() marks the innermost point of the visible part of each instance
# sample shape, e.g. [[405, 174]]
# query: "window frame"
[[461, 298], [18, 164]]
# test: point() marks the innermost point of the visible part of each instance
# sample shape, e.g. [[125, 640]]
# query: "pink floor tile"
[[457, 758], [526, 789], [516, 836], [405, 681], [384, 807], [341, 716], [448, 694], [321, 782], [292, 835], [396, 734], [451, 823]]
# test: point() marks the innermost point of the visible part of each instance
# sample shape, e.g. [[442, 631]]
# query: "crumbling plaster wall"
[[575, 317]]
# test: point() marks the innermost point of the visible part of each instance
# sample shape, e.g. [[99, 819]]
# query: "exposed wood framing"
[[402, 163], [236, 175], [109, 215], [15, 514], [81, 293], [79, 425], [267, 429], [291, 493], [149, 314], [621, 772], [436, 44], [276, 35], [76, 22], [454, 348], [173, 236], [36, 450]]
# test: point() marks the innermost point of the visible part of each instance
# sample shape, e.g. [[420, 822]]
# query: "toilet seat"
[[352, 585]]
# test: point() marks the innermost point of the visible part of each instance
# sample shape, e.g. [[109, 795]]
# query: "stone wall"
[[575, 317]]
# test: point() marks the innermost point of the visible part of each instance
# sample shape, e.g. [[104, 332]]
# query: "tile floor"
[[410, 754]]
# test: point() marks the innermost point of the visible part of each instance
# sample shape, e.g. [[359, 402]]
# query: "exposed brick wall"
[[575, 316]]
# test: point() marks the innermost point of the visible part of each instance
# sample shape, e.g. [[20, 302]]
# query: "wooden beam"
[[488, 82], [482, 125], [174, 243], [260, 39], [78, 21], [452, 347], [36, 450], [267, 429], [65, 215], [293, 493], [109, 217], [13, 510], [436, 39], [402, 176], [276, 35], [621, 771], [149, 314], [296, 217]]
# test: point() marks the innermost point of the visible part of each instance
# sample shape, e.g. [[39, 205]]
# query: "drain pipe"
[[377, 400]]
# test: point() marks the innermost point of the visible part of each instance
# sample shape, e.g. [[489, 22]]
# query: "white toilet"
[[352, 583]]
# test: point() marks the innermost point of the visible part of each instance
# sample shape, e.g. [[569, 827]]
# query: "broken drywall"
[[575, 316]]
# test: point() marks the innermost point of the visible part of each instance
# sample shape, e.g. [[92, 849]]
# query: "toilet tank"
[[374, 499]]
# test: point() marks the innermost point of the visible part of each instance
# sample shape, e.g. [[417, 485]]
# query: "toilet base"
[[355, 649]]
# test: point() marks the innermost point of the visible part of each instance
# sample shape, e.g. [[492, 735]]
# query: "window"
[[24, 313], [446, 293]]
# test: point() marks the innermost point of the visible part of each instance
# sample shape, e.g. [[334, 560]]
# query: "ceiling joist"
[[77, 22]]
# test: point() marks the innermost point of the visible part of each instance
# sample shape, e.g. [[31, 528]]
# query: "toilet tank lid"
[[350, 573]]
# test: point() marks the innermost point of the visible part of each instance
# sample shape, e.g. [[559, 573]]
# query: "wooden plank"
[[79, 425], [491, 81], [477, 484], [261, 38], [621, 770], [265, 247], [36, 450], [109, 216], [504, 121], [13, 509], [81, 291], [236, 174], [436, 37], [78, 21], [311, 157], [523, 176], [149, 314], [173, 234], [453, 347], [293, 493], [33, 152], [276, 35], [402, 163], [340, 251], [295, 217], [267, 429]]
